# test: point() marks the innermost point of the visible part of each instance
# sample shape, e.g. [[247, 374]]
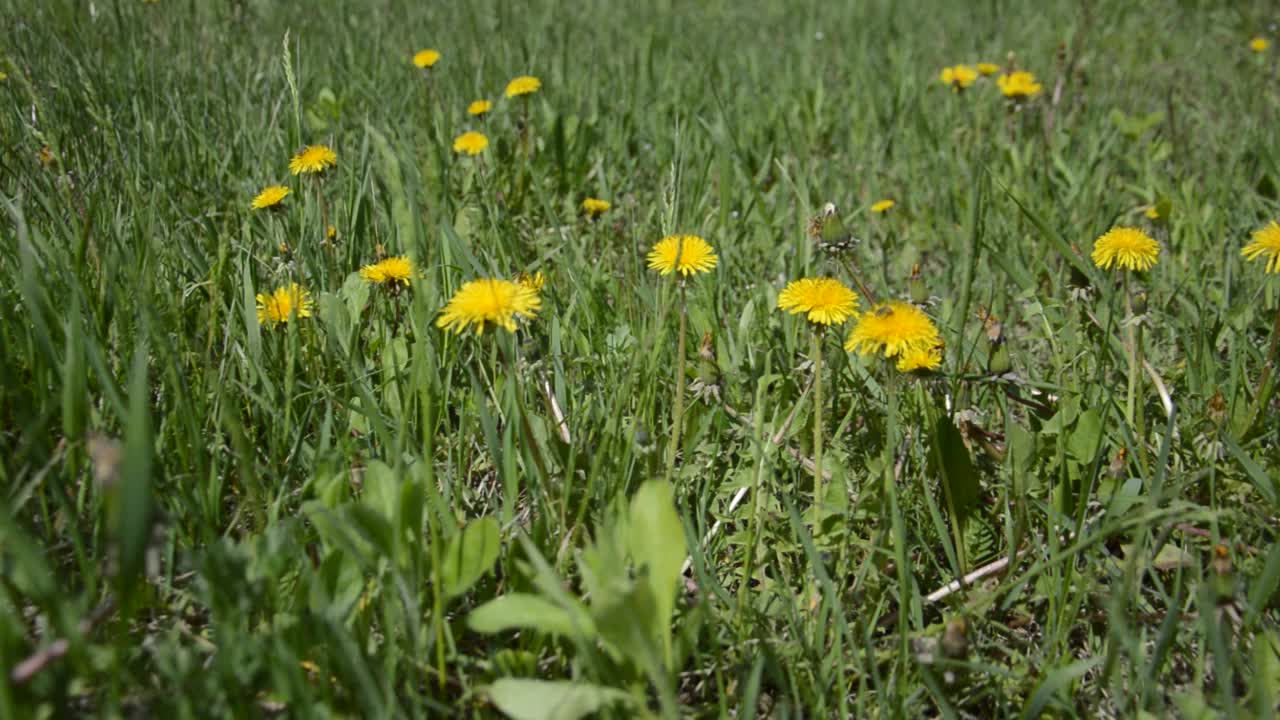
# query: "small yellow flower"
[[1126, 248], [270, 197], [3, 76], [471, 143], [46, 156], [1152, 212], [331, 232], [688, 254], [958, 77], [489, 301], [533, 282], [988, 69], [479, 108], [523, 85], [894, 328], [389, 271], [825, 301], [313, 159], [920, 358], [1019, 85], [284, 304], [1266, 243], [1259, 44], [425, 59], [883, 206], [595, 207]]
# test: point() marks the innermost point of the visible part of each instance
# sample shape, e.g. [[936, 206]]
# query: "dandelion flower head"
[[894, 329], [470, 142], [595, 207], [270, 197], [883, 206], [988, 69], [313, 159], [331, 232], [1266, 244], [920, 358], [479, 107], [389, 271], [1126, 248], [687, 254], [1259, 44], [284, 304], [825, 301], [425, 59], [958, 77], [489, 301], [523, 85], [1019, 85]]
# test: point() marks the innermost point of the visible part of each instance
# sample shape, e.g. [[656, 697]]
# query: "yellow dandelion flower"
[[825, 301], [988, 69], [471, 143], [523, 85], [479, 107], [489, 301], [390, 270], [331, 232], [533, 282], [313, 159], [1259, 44], [3, 76], [1019, 85], [883, 206], [958, 77], [894, 328], [425, 59], [270, 197], [920, 358], [284, 304], [1126, 248], [594, 207], [1266, 243], [687, 254], [46, 156], [1152, 212]]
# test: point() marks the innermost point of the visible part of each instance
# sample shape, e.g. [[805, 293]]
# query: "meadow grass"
[[358, 513]]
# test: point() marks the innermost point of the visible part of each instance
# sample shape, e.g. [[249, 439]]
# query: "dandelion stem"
[[1265, 389], [1131, 396], [677, 411], [819, 496], [898, 527]]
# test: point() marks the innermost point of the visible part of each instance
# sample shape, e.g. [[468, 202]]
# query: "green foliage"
[[355, 514]]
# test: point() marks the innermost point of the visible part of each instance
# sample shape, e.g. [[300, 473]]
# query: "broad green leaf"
[[1083, 442], [469, 555], [524, 699], [524, 611], [657, 544], [954, 468], [389, 171]]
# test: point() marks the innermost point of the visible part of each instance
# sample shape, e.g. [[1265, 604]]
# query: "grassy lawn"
[[327, 391]]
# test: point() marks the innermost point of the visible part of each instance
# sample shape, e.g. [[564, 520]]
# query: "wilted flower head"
[[687, 254], [1126, 248]]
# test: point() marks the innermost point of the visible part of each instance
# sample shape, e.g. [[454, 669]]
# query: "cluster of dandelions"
[[1017, 85]]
